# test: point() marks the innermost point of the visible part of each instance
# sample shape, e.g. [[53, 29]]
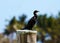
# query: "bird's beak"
[[37, 12]]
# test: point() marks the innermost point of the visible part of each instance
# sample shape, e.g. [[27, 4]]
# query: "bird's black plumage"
[[32, 21]]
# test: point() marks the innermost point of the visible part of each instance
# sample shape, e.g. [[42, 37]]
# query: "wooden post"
[[26, 36]]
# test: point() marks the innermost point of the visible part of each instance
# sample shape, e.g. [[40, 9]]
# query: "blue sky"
[[10, 8]]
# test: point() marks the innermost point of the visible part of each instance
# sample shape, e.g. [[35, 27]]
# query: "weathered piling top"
[[26, 31], [26, 36]]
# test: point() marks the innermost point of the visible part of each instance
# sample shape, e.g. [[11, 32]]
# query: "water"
[[39, 41]]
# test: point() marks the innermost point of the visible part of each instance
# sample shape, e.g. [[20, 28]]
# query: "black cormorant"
[[32, 21]]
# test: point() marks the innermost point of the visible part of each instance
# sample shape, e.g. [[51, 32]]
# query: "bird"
[[32, 21]]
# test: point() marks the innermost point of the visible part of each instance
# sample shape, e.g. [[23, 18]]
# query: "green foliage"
[[50, 25], [22, 18]]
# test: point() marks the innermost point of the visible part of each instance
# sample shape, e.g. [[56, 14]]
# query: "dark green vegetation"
[[44, 25]]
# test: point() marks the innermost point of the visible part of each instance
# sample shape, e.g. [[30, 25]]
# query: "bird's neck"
[[35, 14]]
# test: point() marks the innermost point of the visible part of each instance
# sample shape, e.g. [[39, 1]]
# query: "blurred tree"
[[10, 29], [42, 24], [51, 25], [53, 28], [21, 21]]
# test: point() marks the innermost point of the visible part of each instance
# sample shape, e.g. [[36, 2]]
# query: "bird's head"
[[35, 12]]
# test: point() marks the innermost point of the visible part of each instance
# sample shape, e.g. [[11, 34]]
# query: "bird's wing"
[[31, 21]]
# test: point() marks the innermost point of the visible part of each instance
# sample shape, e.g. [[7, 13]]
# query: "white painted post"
[[26, 36]]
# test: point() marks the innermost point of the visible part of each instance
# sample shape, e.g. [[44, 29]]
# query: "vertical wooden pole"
[[26, 36]]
